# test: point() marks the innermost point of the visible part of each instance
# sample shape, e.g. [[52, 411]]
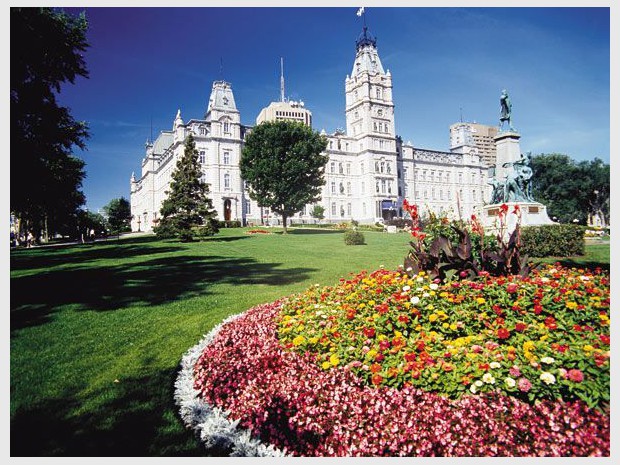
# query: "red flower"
[[512, 288], [369, 332], [503, 333], [520, 327], [604, 338], [384, 344], [375, 368], [377, 379]]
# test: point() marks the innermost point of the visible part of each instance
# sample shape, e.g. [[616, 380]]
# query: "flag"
[[360, 12]]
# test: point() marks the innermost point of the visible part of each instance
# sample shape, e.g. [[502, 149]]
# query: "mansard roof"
[[163, 142], [366, 58], [221, 98]]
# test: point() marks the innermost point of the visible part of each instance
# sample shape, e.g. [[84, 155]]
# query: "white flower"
[[433, 286], [547, 377], [415, 299], [420, 279], [547, 360], [544, 279], [510, 382], [488, 378], [478, 383], [494, 365], [553, 270], [406, 288], [426, 294], [473, 388], [584, 278]]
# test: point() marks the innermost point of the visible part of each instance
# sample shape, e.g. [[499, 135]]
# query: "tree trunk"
[[284, 223]]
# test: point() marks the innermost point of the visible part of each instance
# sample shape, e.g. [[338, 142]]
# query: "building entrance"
[[227, 208]]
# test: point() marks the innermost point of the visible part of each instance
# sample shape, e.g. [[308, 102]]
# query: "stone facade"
[[370, 170]]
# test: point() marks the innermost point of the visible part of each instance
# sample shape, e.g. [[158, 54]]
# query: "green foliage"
[[118, 212], [571, 190], [447, 249], [318, 212], [187, 204], [562, 240], [283, 163], [46, 51], [229, 224], [353, 237]]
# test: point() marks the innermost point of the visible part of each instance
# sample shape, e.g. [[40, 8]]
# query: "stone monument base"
[[532, 214]]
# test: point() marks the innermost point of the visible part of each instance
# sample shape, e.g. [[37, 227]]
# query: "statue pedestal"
[[508, 150], [532, 214]]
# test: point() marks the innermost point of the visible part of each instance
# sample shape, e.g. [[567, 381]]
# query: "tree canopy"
[[571, 190], [284, 165], [118, 212], [46, 178], [187, 205]]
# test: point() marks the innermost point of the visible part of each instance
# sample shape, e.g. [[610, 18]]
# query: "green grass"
[[98, 330]]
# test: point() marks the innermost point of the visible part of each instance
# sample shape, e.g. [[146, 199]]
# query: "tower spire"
[[281, 79]]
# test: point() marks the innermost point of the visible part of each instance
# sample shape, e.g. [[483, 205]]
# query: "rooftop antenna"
[[151, 128], [281, 79], [461, 114]]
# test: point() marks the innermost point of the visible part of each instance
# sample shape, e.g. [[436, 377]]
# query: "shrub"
[[229, 224], [555, 240], [371, 227], [400, 223], [352, 237]]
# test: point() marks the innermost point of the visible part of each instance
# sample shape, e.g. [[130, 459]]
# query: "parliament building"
[[370, 170]]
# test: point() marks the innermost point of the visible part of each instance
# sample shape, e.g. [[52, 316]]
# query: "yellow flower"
[[571, 305], [588, 348], [453, 327], [398, 334], [334, 360], [362, 305], [480, 300], [430, 307], [371, 303], [299, 340], [445, 325], [313, 340], [432, 317], [544, 337], [371, 353], [326, 365], [444, 294]]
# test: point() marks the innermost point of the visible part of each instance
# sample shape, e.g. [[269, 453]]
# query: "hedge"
[[561, 240]]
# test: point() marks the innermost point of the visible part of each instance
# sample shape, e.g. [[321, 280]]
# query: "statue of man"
[[506, 109]]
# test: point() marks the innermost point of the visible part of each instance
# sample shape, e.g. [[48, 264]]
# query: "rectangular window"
[[333, 208], [226, 158], [202, 157], [248, 207], [333, 187]]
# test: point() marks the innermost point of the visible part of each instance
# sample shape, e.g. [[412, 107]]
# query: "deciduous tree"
[[46, 178], [284, 164]]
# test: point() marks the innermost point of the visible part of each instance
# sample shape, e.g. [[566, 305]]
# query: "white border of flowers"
[[210, 422]]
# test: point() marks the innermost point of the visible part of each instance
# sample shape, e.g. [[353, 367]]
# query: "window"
[[348, 209], [364, 209], [460, 178], [377, 185], [362, 168], [380, 127], [433, 193], [382, 167], [341, 186], [248, 207], [357, 115], [333, 208], [374, 125], [333, 187], [203, 131], [348, 188], [363, 187], [348, 164], [340, 168], [226, 127], [386, 128], [432, 176], [381, 144], [226, 181], [383, 186], [202, 157], [333, 165], [227, 158], [389, 168], [379, 112], [378, 92]]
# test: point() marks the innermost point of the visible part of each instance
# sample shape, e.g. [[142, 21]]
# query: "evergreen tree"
[[46, 179], [118, 212], [188, 209], [283, 163]]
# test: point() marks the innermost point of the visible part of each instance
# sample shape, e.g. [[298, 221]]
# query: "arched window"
[[226, 181]]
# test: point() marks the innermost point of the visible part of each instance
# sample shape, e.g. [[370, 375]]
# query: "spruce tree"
[[187, 210]]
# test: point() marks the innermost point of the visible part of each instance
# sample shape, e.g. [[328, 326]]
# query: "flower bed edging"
[[209, 422]]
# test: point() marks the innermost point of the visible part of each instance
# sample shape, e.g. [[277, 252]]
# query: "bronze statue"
[[506, 110]]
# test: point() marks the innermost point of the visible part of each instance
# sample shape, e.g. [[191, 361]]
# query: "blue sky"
[[145, 63]]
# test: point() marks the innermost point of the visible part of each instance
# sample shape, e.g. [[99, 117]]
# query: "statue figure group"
[[517, 187], [506, 110]]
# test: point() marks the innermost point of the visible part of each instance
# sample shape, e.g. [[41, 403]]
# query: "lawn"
[[98, 330]]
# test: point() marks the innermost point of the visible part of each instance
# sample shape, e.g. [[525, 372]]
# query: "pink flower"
[[514, 371], [575, 375], [524, 385]]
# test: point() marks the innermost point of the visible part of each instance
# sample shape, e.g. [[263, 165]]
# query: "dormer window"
[[225, 100]]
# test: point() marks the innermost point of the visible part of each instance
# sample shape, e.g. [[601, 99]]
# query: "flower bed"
[[332, 373], [258, 231]]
